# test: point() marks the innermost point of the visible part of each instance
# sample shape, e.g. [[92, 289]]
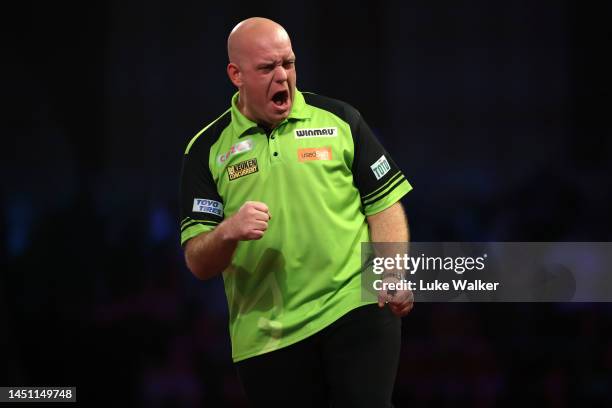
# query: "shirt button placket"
[[273, 145]]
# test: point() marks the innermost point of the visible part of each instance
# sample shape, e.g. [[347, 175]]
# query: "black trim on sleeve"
[[191, 223], [389, 191], [196, 179], [368, 150]]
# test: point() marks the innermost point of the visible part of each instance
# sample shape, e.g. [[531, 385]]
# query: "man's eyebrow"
[[269, 63], [266, 64]]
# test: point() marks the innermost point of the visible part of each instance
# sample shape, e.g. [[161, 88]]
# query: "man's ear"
[[234, 74]]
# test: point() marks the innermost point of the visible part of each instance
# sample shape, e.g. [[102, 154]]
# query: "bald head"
[[249, 34], [262, 67]]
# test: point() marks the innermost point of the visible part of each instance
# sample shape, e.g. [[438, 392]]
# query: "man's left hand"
[[400, 302]]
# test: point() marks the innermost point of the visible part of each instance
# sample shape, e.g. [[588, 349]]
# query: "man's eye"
[[289, 64]]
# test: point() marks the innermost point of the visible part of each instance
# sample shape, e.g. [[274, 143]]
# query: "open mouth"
[[280, 98]]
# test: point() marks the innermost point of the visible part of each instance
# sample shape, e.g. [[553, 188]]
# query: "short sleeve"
[[201, 207], [378, 178]]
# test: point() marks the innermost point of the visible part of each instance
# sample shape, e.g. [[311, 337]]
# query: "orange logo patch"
[[315, 153]]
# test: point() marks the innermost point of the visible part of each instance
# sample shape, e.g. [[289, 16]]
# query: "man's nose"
[[280, 74]]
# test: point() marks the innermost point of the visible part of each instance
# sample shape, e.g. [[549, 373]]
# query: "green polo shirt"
[[320, 172]]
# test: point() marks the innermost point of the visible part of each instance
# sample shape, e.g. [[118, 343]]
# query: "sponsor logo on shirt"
[[380, 167], [207, 206], [318, 132], [238, 148], [241, 169], [315, 153]]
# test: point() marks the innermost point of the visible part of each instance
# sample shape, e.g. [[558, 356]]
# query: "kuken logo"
[[315, 153], [207, 206], [241, 169], [236, 149], [380, 167], [319, 132]]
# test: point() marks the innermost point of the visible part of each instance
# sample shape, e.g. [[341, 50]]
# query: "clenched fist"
[[400, 302], [250, 222]]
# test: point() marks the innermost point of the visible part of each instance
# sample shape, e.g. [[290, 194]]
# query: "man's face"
[[268, 77]]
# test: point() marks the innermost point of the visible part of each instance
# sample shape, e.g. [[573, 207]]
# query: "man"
[[277, 195]]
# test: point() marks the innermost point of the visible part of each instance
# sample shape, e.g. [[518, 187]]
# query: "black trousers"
[[351, 363]]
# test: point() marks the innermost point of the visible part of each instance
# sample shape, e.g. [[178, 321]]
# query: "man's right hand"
[[250, 222]]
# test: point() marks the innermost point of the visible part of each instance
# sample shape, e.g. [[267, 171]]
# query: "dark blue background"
[[498, 113]]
